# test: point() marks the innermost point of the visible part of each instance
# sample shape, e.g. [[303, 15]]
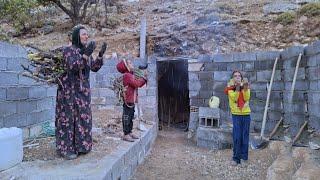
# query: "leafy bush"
[[18, 13], [286, 18], [311, 9]]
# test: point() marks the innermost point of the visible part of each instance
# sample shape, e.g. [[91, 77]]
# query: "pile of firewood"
[[45, 66]]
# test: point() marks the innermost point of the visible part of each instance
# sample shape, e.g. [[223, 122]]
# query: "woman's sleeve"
[[95, 65], [246, 94], [133, 82], [73, 60], [233, 95]]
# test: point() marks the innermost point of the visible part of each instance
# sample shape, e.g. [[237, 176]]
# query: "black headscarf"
[[76, 36]]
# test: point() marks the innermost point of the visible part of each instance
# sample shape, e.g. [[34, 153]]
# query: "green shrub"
[[311, 9], [286, 18]]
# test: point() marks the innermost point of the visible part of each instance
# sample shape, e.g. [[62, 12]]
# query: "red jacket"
[[130, 82]]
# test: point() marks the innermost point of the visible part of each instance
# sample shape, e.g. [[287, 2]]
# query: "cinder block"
[[37, 92], [14, 64], [152, 91], [274, 115], [312, 49], [205, 75], [314, 110], [205, 94], [46, 103], [289, 74], [298, 96], [209, 112], [27, 81], [214, 138], [194, 85], [267, 55], [193, 76], [313, 61], [101, 100], [142, 92], [267, 65], [26, 133], [234, 66], [27, 106], [223, 58], [248, 66], [10, 50], [17, 93], [205, 58], [193, 94], [3, 94], [251, 75], [314, 98], [52, 91], [3, 63], [314, 123], [222, 75], [7, 108], [195, 67], [244, 57], [299, 85], [314, 85], [148, 100], [1, 122], [294, 119], [15, 120], [292, 63], [206, 85], [293, 51], [219, 86], [8, 78], [265, 76], [314, 73], [294, 107], [258, 86], [38, 116]]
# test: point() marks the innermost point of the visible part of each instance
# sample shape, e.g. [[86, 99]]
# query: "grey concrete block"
[[251, 75], [3, 94], [313, 61], [206, 85], [193, 120], [26, 106], [11, 51], [314, 85], [8, 78], [312, 49], [274, 115], [52, 91], [17, 93], [314, 98], [222, 75], [205, 94], [265, 76], [298, 96], [267, 55], [219, 86], [3, 64], [297, 107], [223, 58], [214, 138], [1, 122], [205, 58], [314, 123], [314, 110], [314, 73], [40, 116], [267, 65], [205, 75], [293, 51], [291, 63], [195, 67], [7, 108], [193, 76], [244, 57], [148, 100], [248, 66], [294, 119], [209, 112], [14, 64], [299, 85], [210, 66], [142, 92], [194, 85], [15, 120], [289, 74], [193, 94], [259, 86], [234, 66], [27, 81], [46, 103], [37, 92]]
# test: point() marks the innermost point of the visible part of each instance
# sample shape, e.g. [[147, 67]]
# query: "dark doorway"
[[173, 93]]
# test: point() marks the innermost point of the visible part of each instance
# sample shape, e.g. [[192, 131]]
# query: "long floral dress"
[[73, 109]]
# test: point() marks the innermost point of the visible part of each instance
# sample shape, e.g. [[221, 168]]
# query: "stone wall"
[[208, 75], [105, 98], [24, 103]]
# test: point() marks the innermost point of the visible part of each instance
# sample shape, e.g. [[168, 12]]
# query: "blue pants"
[[240, 134]]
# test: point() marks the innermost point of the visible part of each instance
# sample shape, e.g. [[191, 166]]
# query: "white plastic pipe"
[[295, 78], [268, 98]]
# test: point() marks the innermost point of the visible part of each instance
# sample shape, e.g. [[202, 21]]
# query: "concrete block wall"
[[105, 98], [24, 102], [208, 75]]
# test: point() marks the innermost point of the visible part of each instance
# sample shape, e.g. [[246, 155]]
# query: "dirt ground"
[[173, 156]]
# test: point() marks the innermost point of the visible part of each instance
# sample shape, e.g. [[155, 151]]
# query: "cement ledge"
[[120, 164]]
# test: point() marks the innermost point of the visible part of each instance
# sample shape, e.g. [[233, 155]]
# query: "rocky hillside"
[[189, 27]]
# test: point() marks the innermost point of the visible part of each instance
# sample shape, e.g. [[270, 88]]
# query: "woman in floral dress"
[[73, 111]]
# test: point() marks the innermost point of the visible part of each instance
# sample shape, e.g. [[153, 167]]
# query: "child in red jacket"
[[131, 84]]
